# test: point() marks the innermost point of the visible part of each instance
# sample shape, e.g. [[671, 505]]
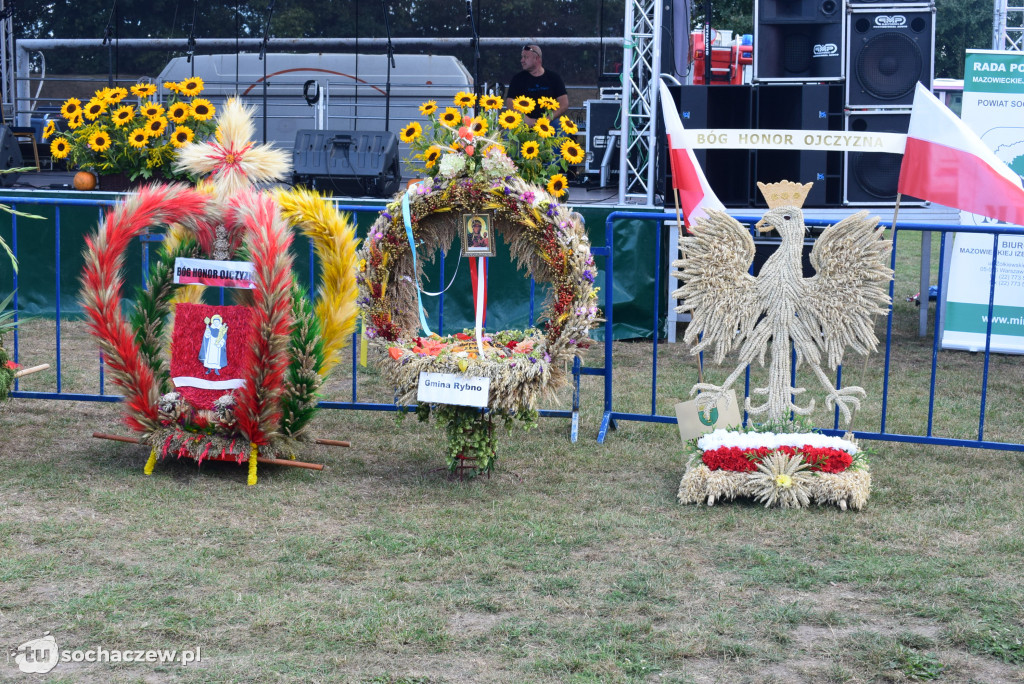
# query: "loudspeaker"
[[602, 116], [727, 171], [807, 107], [890, 50], [798, 41], [872, 177], [342, 161], [10, 156]]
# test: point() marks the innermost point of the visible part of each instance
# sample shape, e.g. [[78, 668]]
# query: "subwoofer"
[[872, 177], [10, 156], [798, 42], [889, 51]]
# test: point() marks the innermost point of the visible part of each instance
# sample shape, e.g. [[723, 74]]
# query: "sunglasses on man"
[[528, 48]]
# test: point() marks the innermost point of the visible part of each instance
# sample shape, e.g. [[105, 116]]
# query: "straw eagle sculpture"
[[818, 317]]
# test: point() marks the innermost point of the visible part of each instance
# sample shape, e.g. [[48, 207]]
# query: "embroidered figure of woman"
[[213, 352]]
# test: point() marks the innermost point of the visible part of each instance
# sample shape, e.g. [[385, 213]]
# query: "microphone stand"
[[192, 37], [108, 34], [474, 42], [391, 65], [263, 55]]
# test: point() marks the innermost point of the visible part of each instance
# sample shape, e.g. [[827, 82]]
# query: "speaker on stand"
[[797, 41], [890, 49]]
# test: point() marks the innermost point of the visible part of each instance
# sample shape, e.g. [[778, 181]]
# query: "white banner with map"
[[993, 107]]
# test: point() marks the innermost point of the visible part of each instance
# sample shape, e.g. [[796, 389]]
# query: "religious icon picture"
[[476, 235]]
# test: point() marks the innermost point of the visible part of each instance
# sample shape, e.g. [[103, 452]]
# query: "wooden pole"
[[333, 442], [259, 459], [34, 369]]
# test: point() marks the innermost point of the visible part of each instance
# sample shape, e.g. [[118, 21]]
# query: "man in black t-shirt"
[[535, 82]]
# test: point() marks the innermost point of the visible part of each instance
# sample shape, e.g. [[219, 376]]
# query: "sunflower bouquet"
[[132, 133], [480, 139]]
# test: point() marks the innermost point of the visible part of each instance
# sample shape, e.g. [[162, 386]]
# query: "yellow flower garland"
[[253, 452]]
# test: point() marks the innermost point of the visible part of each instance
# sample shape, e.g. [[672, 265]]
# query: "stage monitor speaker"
[[806, 107], [602, 117], [727, 171], [872, 177], [890, 50], [10, 156], [796, 41], [347, 162]]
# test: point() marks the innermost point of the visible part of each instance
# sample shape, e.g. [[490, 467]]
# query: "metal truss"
[[640, 73], [7, 52], [1008, 25]]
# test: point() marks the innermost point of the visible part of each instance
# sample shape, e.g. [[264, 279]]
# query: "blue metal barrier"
[[611, 416]]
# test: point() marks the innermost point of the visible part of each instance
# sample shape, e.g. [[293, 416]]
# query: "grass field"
[[573, 563]]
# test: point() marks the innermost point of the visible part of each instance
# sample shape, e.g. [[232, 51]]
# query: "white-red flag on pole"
[[947, 163], [695, 195]]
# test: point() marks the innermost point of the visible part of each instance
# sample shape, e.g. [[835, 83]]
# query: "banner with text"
[[993, 107], [783, 139], [237, 274]]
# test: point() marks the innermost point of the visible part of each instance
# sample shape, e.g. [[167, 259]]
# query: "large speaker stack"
[[890, 48], [856, 63]]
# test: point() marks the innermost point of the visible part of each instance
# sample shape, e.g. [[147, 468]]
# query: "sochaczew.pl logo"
[[39, 656]]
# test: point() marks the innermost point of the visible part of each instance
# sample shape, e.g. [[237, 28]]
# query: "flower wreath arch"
[[544, 237], [297, 343]]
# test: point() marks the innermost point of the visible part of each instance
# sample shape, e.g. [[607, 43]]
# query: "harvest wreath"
[[786, 469], [544, 236], [282, 345]]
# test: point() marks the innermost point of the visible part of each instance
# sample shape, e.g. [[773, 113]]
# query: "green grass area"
[[572, 563]]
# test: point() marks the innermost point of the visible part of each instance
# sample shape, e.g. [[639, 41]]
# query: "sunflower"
[[524, 104], [530, 149], [428, 107], [431, 156], [183, 135], [115, 95], [465, 99], [191, 87], [411, 132], [177, 112], [151, 110], [557, 185], [568, 126], [548, 103], [478, 126], [59, 148], [572, 152], [490, 102], [500, 149], [51, 128], [99, 141], [75, 121], [94, 108], [509, 119], [138, 138], [71, 108], [144, 89], [544, 128], [155, 126], [102, 95], [122, 115], [450, 117], [172, 86], [201, 109]]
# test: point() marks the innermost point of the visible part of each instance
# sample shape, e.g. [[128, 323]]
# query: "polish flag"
[[947, 163], [695, 195]]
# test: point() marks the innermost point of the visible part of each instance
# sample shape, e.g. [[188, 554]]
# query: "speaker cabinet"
[[347, 161], [806, 107], [872, 177], [890, 50], [10, 156], [797, 41], [727, 171]]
